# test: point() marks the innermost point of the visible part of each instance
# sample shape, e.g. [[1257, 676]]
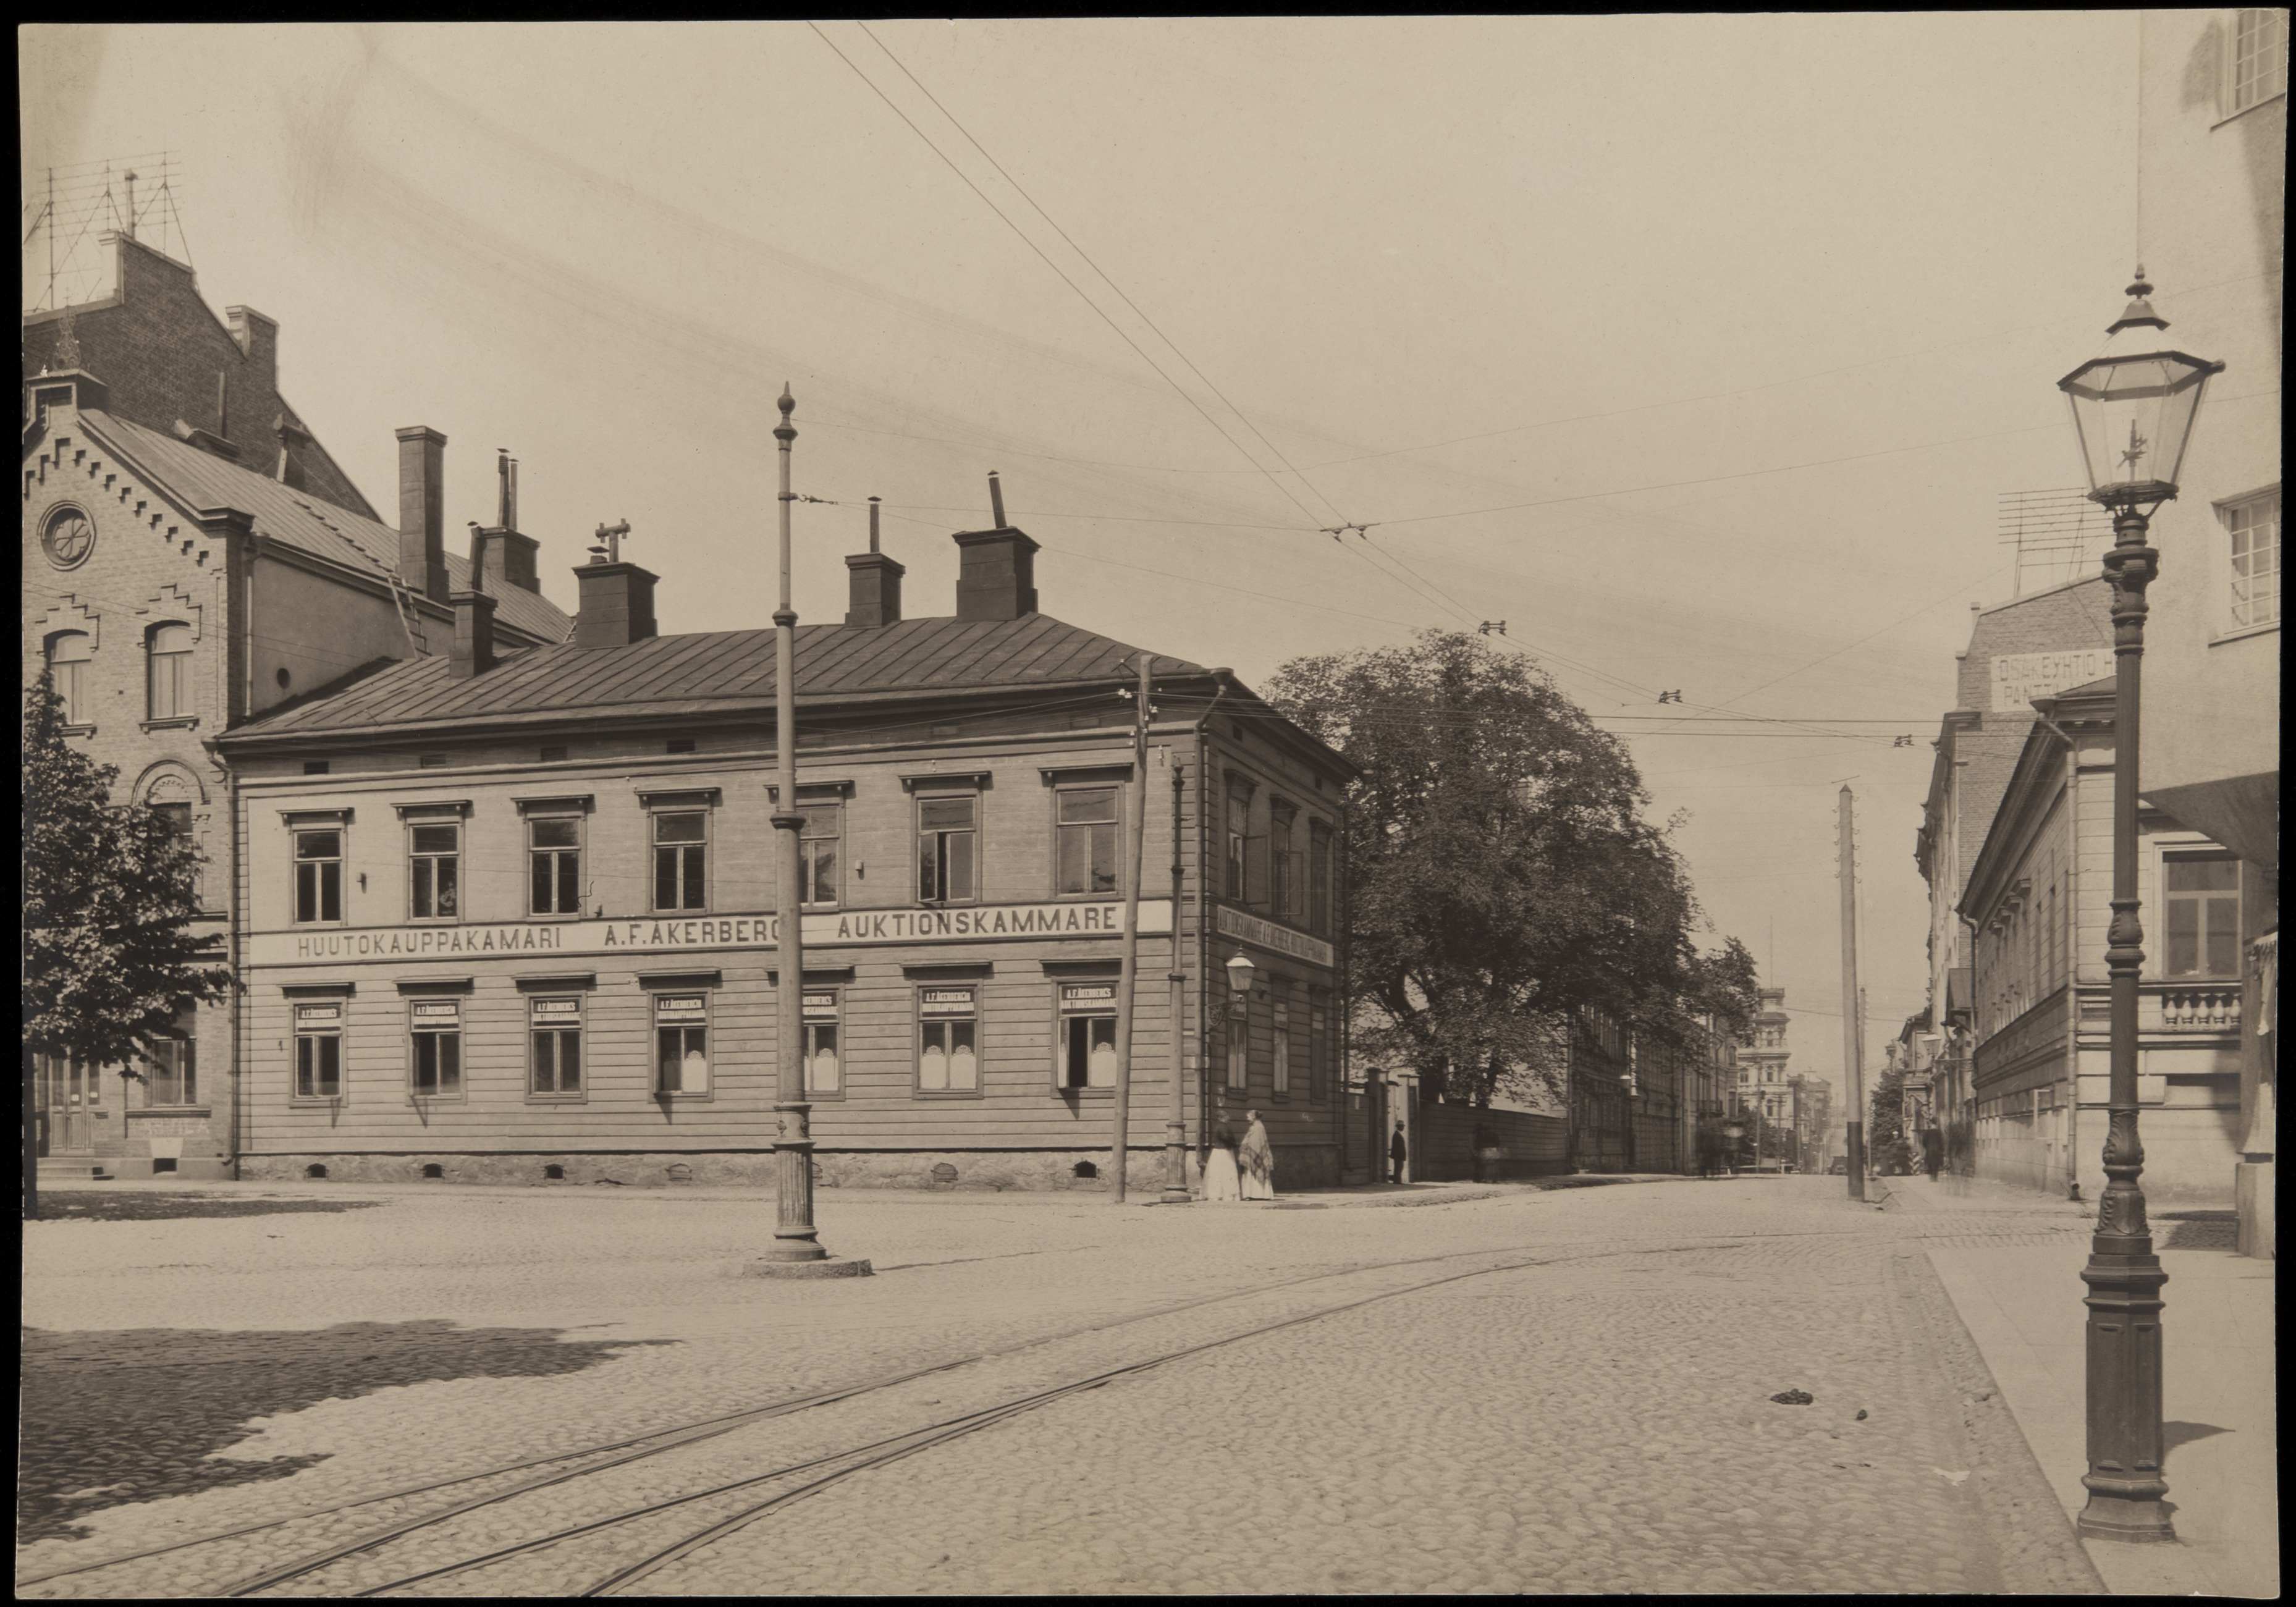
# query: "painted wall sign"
[[975, 923], [1266, 934], [2020, 677], [947, 1001], [557, 1009]]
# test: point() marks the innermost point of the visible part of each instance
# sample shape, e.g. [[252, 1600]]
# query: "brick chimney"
[[876, 583], [616, 604], [473, 653], [422, 512], [996, 577]]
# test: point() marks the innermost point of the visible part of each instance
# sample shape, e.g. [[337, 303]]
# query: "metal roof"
[[304, 522], [728, 671]]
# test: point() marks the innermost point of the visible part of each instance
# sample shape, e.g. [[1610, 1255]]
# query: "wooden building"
[[513, 915]]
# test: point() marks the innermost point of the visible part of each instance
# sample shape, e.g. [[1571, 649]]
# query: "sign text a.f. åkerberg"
[[654, 934]]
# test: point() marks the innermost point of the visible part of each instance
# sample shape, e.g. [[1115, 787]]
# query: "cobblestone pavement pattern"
[[1597, 1420]]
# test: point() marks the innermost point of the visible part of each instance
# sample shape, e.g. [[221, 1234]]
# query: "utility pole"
[[1136, 825], [1852, 999], [1176, 1119]]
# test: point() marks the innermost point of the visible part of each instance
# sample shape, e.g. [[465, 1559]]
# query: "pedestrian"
[[1257, 1159], [1486, 1143], [1397, 1151], [1220, 1185], [1933, 1152]]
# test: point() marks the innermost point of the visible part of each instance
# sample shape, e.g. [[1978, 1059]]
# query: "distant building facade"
[[193, 557], [1763, 1084]]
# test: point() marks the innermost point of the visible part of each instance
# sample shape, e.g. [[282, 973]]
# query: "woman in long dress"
[[1220, 1185], [1257, 1158]]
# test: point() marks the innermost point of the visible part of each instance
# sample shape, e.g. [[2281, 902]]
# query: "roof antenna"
[[997, 499], [872, 524], [609, 546]]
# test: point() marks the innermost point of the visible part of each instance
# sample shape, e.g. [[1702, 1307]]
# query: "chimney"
[[422, 512], [259, 337], [473, 653], [876, 581], [616, 604]]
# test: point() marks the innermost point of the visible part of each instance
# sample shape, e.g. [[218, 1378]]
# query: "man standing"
[[1397, 1153], [1933, 1152]]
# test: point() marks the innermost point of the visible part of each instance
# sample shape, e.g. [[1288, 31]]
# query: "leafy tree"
[[109, 893], [1886, 1137], [1502, 879]]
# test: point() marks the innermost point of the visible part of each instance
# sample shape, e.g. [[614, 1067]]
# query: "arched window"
[[171, 672], [68, 659]]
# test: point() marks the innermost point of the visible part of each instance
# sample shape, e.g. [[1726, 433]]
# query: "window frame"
[[416, 1031], [1279, 1039], [183, 1077], [2174, 853], [1286, 897], [537, 1024], [1236, 1030], [656, 1026], [1235, 860], [1083, 1010], [415, 824], [77, 716], [2230, 626], [297, 860], [314, 1027], [2229, 104], [973, 988], [920, 798], [655, 816], [833, 1018], [835, 807], [1320, 841], [557, 856], [183, 690], [1063, 790]]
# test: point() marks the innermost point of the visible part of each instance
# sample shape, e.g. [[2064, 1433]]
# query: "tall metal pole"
[[1853, 1070], [2124, 1277], [796, 1241], [1175, 1117], [1136, 831]]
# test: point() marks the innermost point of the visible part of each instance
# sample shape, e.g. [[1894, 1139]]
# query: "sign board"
[[680, 1007], [435, 1012], [558, 1010], [318, 1015], [947, 1001], [820, 1006], [2020, 677], [1090, 997], [1266, 934], [972, 923]]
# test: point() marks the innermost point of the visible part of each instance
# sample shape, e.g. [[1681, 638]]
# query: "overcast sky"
[[1697, 349]]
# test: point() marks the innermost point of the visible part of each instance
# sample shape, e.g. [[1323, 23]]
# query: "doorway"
[[71, 1093]]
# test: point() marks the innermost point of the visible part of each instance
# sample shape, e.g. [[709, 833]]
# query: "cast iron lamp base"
[[832, 1266]]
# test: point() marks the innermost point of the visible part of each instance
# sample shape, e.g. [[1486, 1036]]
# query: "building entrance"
[[70, 1094]]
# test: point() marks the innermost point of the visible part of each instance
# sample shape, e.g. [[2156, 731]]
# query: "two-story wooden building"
[[512, 916]]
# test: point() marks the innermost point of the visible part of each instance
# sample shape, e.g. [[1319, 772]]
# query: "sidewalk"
[[2022, 1306]]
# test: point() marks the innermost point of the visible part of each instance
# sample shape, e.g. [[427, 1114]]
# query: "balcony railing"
[[2192, 1007]]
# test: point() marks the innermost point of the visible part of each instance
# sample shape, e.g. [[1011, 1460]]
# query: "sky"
[[1697, 350]]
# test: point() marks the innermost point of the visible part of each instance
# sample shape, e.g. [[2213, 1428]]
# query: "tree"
[[1501, 877], [109, 894], [1885, 1125]]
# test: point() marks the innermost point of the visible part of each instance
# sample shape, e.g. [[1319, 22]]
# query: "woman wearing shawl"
[[1257, 1158], [1220, 1185]]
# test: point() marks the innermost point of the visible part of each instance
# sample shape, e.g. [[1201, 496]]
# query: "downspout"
[[1204, 921], [234, 1120]]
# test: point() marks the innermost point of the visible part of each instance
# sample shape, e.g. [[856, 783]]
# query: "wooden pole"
[[1135, 823], [1853, 1072]]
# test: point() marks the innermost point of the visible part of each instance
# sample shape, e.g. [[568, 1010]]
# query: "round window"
[[68, 537]]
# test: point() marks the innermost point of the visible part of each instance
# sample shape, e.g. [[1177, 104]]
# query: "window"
[[2256, 68], [1283, 1048], [1239, 1050], [681, 1032], [1319, 879], [946, 828], [319, 1051], [822, 1074], [68, 661], [554, 859], [555, 1035], [1088, 1041], [2204, 916], [681, 848], [2253, 524], [1289, 893], [552, 756], [169, 683], [948, 1042], [816, 853], [1238, 836], [434, 866], [318, 876], [1319, 1054], [437, 1025], [173, 1076], [1084, 836]]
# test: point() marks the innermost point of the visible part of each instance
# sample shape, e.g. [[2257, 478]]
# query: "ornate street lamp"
[[2133, 411], [1240, 973]]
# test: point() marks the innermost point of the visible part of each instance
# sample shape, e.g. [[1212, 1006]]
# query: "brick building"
[[599, 1000], [191, 558]]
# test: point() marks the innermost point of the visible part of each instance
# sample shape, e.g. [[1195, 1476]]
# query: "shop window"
[[2204, 916], [948, 1040], [1084, 835], [681, 1032], [816, 854], [69, 654], [319, 1051], [319, 876], [436, 1071], [553, 860], [1088, 1034], [681, 860], [434, 867], [1239, 839], [172, 1077], [947, 831], [554, 1037], [824, 1075], [168, 679]]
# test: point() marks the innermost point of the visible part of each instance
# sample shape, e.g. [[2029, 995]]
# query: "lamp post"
[[2133, 410], [1733, 1130]]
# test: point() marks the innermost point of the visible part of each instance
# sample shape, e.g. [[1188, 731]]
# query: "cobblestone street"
[[1516, 1390]]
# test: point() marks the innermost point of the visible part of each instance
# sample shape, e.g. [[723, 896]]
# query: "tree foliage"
[[1501, 876], [109, 894]]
